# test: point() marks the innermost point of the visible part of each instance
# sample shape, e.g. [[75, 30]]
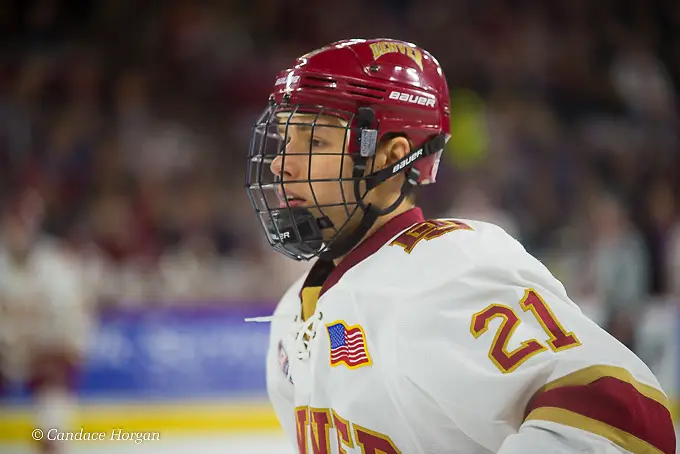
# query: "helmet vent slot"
[[367, 87], [368, 91], [366, 95], [318, 82]]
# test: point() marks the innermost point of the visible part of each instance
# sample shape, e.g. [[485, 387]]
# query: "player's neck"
[[380, 222]]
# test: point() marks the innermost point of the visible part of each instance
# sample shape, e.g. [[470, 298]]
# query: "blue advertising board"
[[175, 353]]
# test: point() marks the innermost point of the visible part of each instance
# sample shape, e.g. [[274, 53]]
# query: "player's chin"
[[345, 222]]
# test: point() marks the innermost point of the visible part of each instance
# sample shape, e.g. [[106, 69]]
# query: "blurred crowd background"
[[124, 128], [129, 252]]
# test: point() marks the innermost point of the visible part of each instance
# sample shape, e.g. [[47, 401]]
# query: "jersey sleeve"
[[495, 346]]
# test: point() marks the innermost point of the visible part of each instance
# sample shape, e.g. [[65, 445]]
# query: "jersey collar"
[[371, 244]]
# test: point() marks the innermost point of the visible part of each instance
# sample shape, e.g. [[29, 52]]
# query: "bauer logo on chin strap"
[[399, 166]]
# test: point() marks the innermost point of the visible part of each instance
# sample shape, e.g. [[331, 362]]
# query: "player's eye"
[[317, 143]]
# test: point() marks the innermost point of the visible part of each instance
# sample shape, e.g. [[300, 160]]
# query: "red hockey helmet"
[[376, 87]]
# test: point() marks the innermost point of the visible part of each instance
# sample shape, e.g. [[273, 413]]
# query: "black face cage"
[[296, 230]]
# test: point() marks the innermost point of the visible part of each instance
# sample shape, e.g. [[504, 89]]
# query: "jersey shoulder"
[[438, 237], [438, 263], [435, 251]]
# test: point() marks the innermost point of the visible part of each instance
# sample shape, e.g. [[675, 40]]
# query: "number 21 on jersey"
[[508, 361]]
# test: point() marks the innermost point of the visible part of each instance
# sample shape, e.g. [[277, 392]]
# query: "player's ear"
[[390, 150]]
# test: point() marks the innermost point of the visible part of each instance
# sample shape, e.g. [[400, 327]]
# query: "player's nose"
[[285, 165], [277, 166]]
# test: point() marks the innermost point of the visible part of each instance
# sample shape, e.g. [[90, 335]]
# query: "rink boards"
[[201, 369], [167, 418], [188, 369]]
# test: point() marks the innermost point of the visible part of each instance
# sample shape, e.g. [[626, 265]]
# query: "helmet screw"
[[374, 68], [286, 98]]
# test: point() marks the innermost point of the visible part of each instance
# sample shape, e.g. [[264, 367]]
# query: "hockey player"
[[45, 319], [411, 335]]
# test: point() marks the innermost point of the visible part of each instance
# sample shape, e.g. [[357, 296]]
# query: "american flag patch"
[[348, 345]]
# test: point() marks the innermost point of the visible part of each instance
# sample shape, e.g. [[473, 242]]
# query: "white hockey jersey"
[[43, 302], [447, 337]]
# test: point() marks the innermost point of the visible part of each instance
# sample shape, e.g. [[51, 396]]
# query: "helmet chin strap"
[[345, 243]]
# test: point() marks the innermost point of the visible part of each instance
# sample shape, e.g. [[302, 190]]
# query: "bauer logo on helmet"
[[412, 99]]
